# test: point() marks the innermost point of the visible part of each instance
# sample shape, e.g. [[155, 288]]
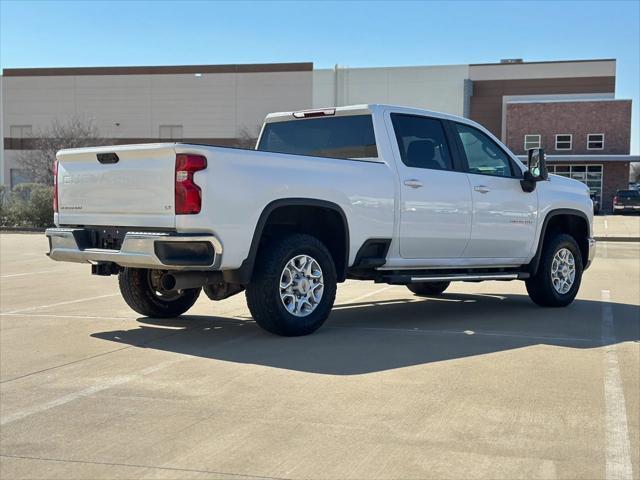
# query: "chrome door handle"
[[482, 189], [413, 183]]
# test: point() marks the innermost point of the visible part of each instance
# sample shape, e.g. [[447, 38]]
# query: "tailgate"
[[126, 185]]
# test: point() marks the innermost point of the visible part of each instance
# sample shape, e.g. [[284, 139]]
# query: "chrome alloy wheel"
[[301, 285], [563, 271]]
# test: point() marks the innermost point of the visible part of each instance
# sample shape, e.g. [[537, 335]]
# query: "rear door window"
[[347, 137], [422, 142]]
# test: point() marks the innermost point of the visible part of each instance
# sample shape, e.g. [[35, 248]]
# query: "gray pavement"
[[478, 383], [617, 227]]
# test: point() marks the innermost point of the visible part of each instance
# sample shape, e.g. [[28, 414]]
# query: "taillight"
[[55, 186], [615, 199], [188, 194]]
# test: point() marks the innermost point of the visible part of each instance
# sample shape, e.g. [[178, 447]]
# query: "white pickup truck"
[[371, 192]]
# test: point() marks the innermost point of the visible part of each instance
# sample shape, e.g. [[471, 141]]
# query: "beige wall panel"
[[36, 101], [602, 68], [433, 88], [204, 106], [324, 88]]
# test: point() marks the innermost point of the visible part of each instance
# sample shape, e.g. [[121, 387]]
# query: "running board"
[[456, 277]]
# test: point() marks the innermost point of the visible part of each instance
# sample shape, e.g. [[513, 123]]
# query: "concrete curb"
[[22, 229], [617, 239]]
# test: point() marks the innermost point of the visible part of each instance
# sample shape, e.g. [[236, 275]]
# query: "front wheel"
[[559, 274], [141, 289], [293, 286]]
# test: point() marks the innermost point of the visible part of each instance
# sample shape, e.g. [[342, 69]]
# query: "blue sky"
[[96, 33]]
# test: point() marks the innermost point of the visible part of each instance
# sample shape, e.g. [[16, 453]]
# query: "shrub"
[[28, 205]]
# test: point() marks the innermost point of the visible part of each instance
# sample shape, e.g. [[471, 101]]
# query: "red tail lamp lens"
[[188, 195]]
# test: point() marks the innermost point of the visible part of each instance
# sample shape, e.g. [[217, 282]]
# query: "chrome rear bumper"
[[170, 251]]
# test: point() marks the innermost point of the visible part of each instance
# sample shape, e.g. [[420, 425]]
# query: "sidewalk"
[[618, 228]]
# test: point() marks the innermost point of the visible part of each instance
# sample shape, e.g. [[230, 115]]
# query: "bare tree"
[[634, 172], [72, 133], [247, 137]]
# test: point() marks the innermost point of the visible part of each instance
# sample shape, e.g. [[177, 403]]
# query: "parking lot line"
[[68, 302], [115, 381], [52, 315], [27, 273], [139, 466], [421, 331], [109, 383], [618, 449], [367, 295]]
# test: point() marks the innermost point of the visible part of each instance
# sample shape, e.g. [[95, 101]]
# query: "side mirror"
[[538, 164], [537, 171]]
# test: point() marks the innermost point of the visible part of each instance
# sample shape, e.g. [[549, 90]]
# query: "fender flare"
[[532, 266], [243, 274]]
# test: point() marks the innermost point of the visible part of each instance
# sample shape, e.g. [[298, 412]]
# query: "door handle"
[[482, 189], [413, 183]]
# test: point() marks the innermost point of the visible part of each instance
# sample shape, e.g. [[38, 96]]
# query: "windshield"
[[348, 137]]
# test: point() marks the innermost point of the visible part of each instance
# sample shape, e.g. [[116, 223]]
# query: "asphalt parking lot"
[[479, 383]]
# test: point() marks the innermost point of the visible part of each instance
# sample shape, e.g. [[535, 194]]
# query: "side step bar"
[[455, 277]]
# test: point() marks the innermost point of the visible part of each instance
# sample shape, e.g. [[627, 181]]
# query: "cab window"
[[422, 142], [484, 156], [346, 137]]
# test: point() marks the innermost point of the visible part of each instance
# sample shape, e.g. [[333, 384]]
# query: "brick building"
[[567, 108], [585, 139]]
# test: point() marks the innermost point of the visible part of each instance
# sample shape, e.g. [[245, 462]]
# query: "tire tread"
[[265, 306], [540, 287], [137, 293]]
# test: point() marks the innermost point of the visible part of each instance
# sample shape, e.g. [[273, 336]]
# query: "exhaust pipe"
[[186, 280]]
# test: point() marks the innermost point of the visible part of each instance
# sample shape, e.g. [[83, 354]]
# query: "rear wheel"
[[293, 286], [140, 288], [428, 288], [559, 274]]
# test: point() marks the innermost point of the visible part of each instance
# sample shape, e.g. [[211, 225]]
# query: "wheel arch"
[[563, 220], [283, 215]]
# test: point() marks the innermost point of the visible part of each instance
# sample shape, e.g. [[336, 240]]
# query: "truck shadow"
[[372, 336]]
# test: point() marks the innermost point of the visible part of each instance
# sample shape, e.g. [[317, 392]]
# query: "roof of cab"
[[359, 110]]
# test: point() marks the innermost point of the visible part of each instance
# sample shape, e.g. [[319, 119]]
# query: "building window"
[[563, 141], [18, 135], [18, 176], [590, 175], [532, 141], [595, 141], [171, 132]]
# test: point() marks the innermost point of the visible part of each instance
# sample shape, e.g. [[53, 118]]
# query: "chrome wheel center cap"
[[301, 285]]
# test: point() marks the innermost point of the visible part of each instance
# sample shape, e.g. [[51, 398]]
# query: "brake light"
[[55, 186], [615, 199], [187, 194], [314, 113]]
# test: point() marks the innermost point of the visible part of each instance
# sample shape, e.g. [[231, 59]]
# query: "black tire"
[[263, 293], [540, 286], [137, 289], [428, 288]]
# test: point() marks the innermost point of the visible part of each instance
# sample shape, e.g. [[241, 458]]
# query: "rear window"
[[334, 137], [628, 194]]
